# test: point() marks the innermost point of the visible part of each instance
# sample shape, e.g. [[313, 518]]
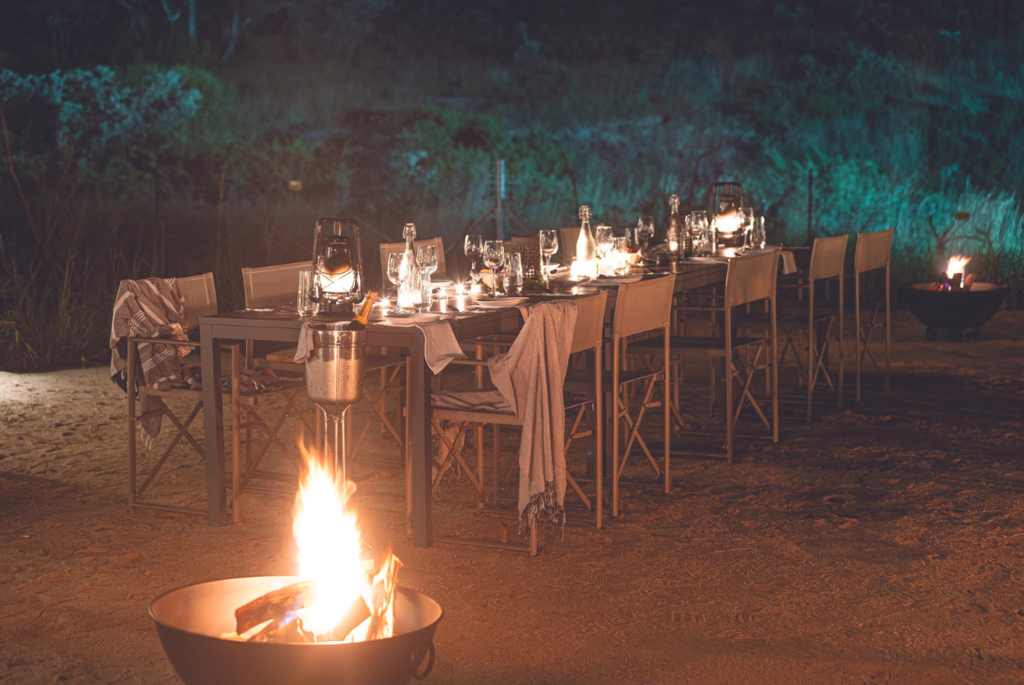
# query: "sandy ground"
[[883, 543]]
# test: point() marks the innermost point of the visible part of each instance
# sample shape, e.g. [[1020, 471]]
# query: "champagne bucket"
[[334, 370]]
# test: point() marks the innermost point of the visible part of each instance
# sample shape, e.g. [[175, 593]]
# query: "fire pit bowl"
[[190, 620], [953, 315]]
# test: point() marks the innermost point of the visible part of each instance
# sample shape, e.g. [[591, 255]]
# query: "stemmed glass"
[[398, 272], [644, 232], [548, 247], [494, 258], [603, 237], [697, 226], [426, 260], [473, 248]]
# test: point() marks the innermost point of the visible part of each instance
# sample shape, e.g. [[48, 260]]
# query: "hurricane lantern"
[[337, 267], [726, 203]]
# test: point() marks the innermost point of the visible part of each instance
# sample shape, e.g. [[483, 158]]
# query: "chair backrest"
[[828, 257], [872, 251], [751, 278], [643, 306], [529, 253], [200, 295], [388, 249], [567, 238], [589, 322], [266, 286]]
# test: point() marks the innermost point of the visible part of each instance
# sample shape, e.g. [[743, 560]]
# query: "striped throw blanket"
[[150, 308]]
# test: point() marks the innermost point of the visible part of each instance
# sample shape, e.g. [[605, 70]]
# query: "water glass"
[[645, 231], [426, 291], [514, 272], [303, 303]]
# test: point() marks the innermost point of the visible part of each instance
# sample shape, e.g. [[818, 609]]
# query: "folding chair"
[[567, 243], [750, 279], [872, 253], [200, 299], [528, 250], [643, 307], [388, 249], [805, 319], [477, 410], [275, 285]]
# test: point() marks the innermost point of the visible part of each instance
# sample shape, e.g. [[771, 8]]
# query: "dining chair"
[[567, 238], [871, 254], [803, 320], [644, 309], [388, 249], [476, 409], [278, 284], [200, 299], [750, 279]]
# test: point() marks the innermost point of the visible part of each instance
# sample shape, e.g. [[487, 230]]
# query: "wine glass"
[[426, 259], [473, 248], [603, 237], [494, 258], [548, 247], [398, 273], [645, 231], [697, 225]]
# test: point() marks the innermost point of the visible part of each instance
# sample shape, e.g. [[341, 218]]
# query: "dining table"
[[284, 327]]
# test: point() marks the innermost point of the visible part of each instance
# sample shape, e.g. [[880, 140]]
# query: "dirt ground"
[[883, 543]]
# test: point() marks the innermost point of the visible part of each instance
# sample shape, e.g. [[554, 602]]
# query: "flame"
[[330, 554], [339, 283], [728, 222], [957, 265], [580, 269]]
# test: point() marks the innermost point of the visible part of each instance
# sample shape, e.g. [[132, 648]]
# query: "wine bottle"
[[360, 322], [677, 229], [586, 246]]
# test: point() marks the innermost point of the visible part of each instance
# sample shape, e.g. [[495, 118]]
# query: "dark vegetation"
[[157, 137]]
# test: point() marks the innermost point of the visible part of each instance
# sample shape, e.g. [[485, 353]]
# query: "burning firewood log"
[[281, 608]]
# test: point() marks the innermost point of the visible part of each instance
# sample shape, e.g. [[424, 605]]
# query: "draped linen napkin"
[[150, 308], [531, 378]]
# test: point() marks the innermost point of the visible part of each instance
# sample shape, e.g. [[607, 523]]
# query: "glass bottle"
[[586, 246], [410, 286], [677, 231]]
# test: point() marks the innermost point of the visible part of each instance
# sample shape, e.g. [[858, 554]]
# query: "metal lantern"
[[726, 202], [337, 267]]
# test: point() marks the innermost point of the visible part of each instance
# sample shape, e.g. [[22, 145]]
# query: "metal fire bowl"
[[954, 310], [190, 620]]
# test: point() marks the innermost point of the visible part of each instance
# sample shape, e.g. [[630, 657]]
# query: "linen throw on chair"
[[150, 308], [531, 378]]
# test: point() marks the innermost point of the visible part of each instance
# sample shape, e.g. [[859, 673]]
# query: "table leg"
[[419, 444], [213, 428]]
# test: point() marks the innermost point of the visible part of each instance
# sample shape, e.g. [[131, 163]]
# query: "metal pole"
[[501, 200], [810, 203]]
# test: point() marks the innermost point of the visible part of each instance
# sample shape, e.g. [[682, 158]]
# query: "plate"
[[410, 318]]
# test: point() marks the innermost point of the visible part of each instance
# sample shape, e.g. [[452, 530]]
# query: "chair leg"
[[533, 538], [236, 472], [131, 422]]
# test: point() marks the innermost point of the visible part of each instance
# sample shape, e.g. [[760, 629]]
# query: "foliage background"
[[157, 137]]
